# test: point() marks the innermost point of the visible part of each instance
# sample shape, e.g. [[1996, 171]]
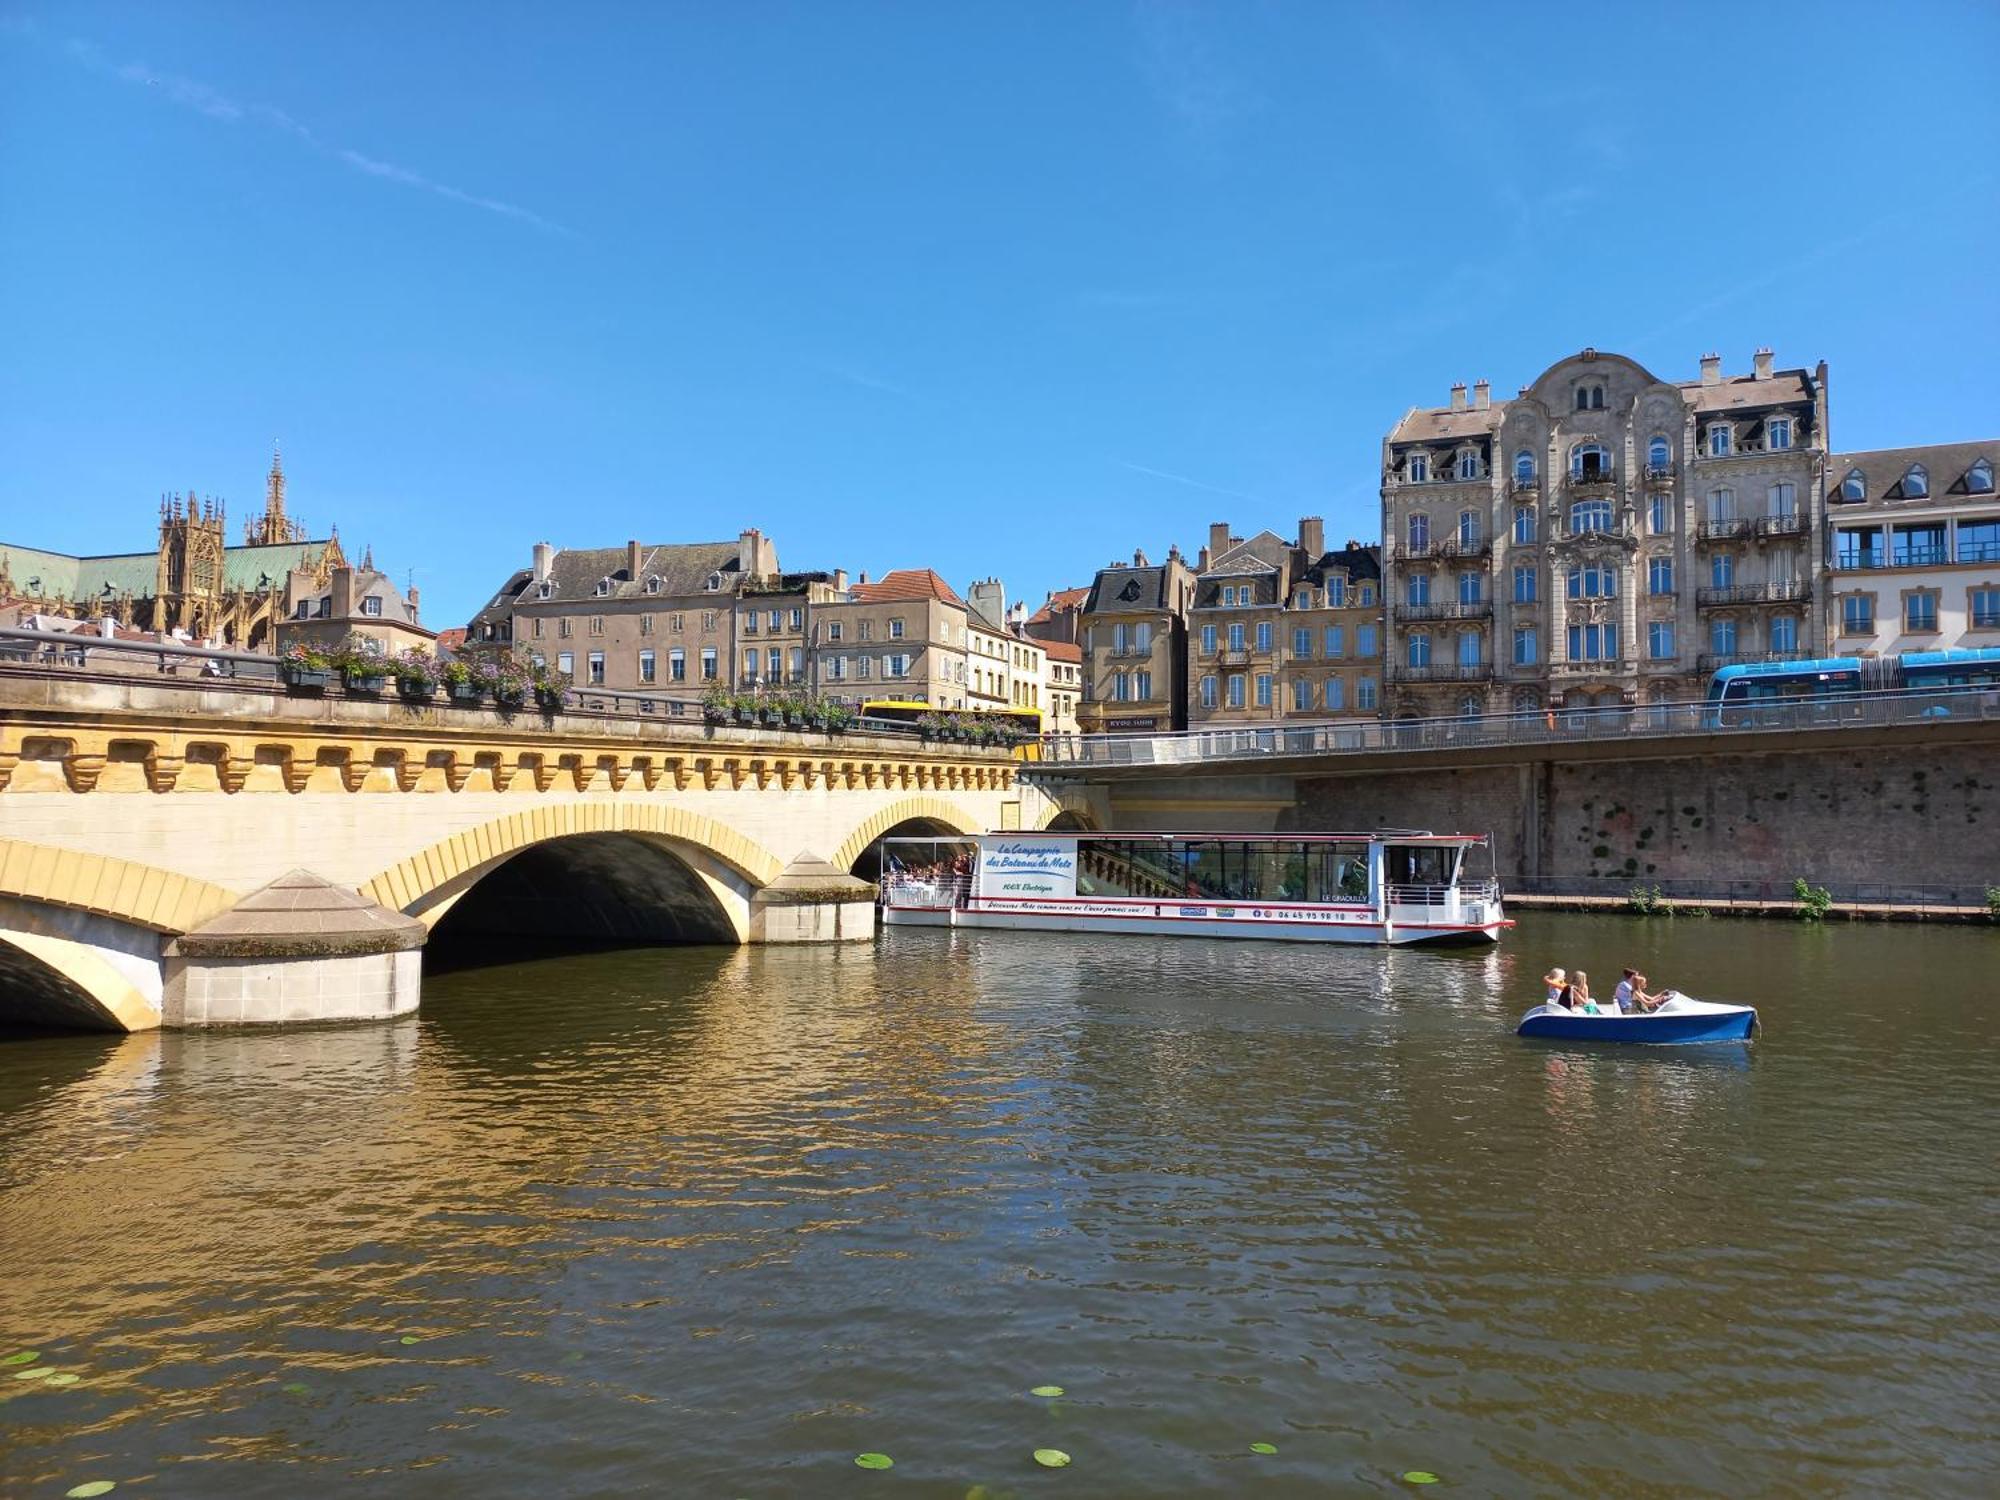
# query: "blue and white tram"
[[1735, 691]]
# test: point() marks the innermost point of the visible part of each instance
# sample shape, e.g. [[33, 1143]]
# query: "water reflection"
[[717, 1219]]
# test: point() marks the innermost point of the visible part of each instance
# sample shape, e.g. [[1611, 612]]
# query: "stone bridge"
[[184, 853]]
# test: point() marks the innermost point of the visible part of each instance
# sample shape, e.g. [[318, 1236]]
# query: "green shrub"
[[1815, 901]]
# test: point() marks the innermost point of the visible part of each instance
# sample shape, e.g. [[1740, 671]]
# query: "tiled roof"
[[1062, 650], [903, 584], [1060, 599], [1442, 424], [1946, 466], [1116, 590], [452, 639]]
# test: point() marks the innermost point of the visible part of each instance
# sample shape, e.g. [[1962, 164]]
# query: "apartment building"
[[1604, 537], [1284, 629], [634, 618], [774, 629], [1913, 555], [1134, 656], [1005, 668], [1063, 686], [904, 636]]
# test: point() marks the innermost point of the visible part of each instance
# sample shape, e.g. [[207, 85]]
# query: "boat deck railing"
[[917, 892], [1062, 753]]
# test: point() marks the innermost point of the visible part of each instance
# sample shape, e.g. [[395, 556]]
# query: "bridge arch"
[[103, 885], [76, 970], [934, 811]]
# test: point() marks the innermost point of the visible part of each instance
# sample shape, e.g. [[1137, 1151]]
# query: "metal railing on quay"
[[1616, 722]]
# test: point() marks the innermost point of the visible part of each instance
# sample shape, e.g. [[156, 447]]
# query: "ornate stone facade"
[[1605, 537]]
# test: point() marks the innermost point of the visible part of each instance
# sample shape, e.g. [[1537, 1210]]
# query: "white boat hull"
[[1196, 919]]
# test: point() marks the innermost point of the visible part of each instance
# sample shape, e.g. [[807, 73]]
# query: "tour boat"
[[1679, 1019], [1392, 887]]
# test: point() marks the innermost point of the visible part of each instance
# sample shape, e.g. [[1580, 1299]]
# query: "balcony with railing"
[[1784, 526], [1593, 482], [1724, 529], [1772, 591], [1601, 666], [1708, 661], [1450, 671], [1478, 609], [1660, 473], [1531, 485], [1457, 547], [1618, 531]]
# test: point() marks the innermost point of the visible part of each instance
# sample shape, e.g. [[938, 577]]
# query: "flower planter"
[[509, 697], [740, 715], [365, 682], [465, 694], [549, 702], [768, 719], [715, 716], [306, 679], [415, 689]]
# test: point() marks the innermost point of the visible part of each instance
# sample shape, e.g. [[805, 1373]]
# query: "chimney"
[[1201, 561], [343, 593], [756, 557], [632, 561], [545, 559], [1458, 396], [1482, 395], [1312, 536], [1218, 538], [107, 627], [1711, 369], [1761, 362], [840, 580], [1138, 557], [864, 576]]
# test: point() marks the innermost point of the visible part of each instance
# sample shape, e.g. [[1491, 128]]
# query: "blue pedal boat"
[[1678, 1020]]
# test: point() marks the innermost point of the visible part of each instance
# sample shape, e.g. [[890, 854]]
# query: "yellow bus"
[[1026, 722]]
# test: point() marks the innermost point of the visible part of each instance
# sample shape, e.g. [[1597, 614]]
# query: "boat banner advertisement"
[[1027, 867]]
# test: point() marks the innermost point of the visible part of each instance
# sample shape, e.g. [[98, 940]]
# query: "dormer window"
[[1303, 599], [1659, 455], [1721, 440], [1418, 468], [1468, 465], [603, 587], [1778, 434], [1916, 483], [714, 583], [546, 589], [1979, 478], [1854, 486], [654, 583]]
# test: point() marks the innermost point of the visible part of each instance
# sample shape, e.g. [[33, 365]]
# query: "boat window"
[[1420, 864], [1315, 872]]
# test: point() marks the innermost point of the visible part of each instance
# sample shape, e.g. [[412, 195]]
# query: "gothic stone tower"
[[189, 585]]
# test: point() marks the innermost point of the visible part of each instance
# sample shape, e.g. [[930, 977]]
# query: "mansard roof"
[[1119, 590], [1947, 467]]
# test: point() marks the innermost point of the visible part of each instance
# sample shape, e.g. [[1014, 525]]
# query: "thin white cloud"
[[1193, 484], [193, 94]]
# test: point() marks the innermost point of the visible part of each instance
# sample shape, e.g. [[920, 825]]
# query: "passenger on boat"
[[1647, 1002], [1556, 982], [1579, 995], [1627, 993]]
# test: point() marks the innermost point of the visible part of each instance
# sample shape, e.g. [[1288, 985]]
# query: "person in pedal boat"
[[1579, 995], [1556, 984]]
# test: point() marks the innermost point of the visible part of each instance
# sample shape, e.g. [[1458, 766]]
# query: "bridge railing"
[[1542, 726], [93, 657]]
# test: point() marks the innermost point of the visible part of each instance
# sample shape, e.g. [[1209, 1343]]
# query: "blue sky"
[[1003, 288]]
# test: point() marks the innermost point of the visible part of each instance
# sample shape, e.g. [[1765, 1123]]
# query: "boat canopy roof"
[[1236, 836]]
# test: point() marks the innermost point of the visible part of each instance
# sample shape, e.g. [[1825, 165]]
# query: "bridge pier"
[[301, 949], [813, 902]]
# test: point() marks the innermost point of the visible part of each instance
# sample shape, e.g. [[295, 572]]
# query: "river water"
[[701, 1222]]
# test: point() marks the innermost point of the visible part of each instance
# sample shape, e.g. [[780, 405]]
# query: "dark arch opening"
[[869, 865], [595, 889], [1072, 822], [35, 998]]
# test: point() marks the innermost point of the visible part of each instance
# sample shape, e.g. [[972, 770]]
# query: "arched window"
[[1854, 486], [1526, 700], [1590, 461], [1417, 468], [1721, 440], [1469, 706], [1590, 398], [1420, 532], [1468, 528], [1979, 478], [1916, 483], [1468, 464], [1589, 515], [1420, 649], [1524, 467], [1659, 455]]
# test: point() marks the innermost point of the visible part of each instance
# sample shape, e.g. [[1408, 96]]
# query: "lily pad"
[[40, 1372], [873, 1461], [1052, 1458], [1420, 1476], [22, 1357], [1263, 1447], [91, 1487], [1046, 1390], [64, 1378], [295, 1388], [411, 1338]]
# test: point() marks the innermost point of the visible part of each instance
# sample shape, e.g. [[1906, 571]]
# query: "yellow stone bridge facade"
[[154, 837]]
